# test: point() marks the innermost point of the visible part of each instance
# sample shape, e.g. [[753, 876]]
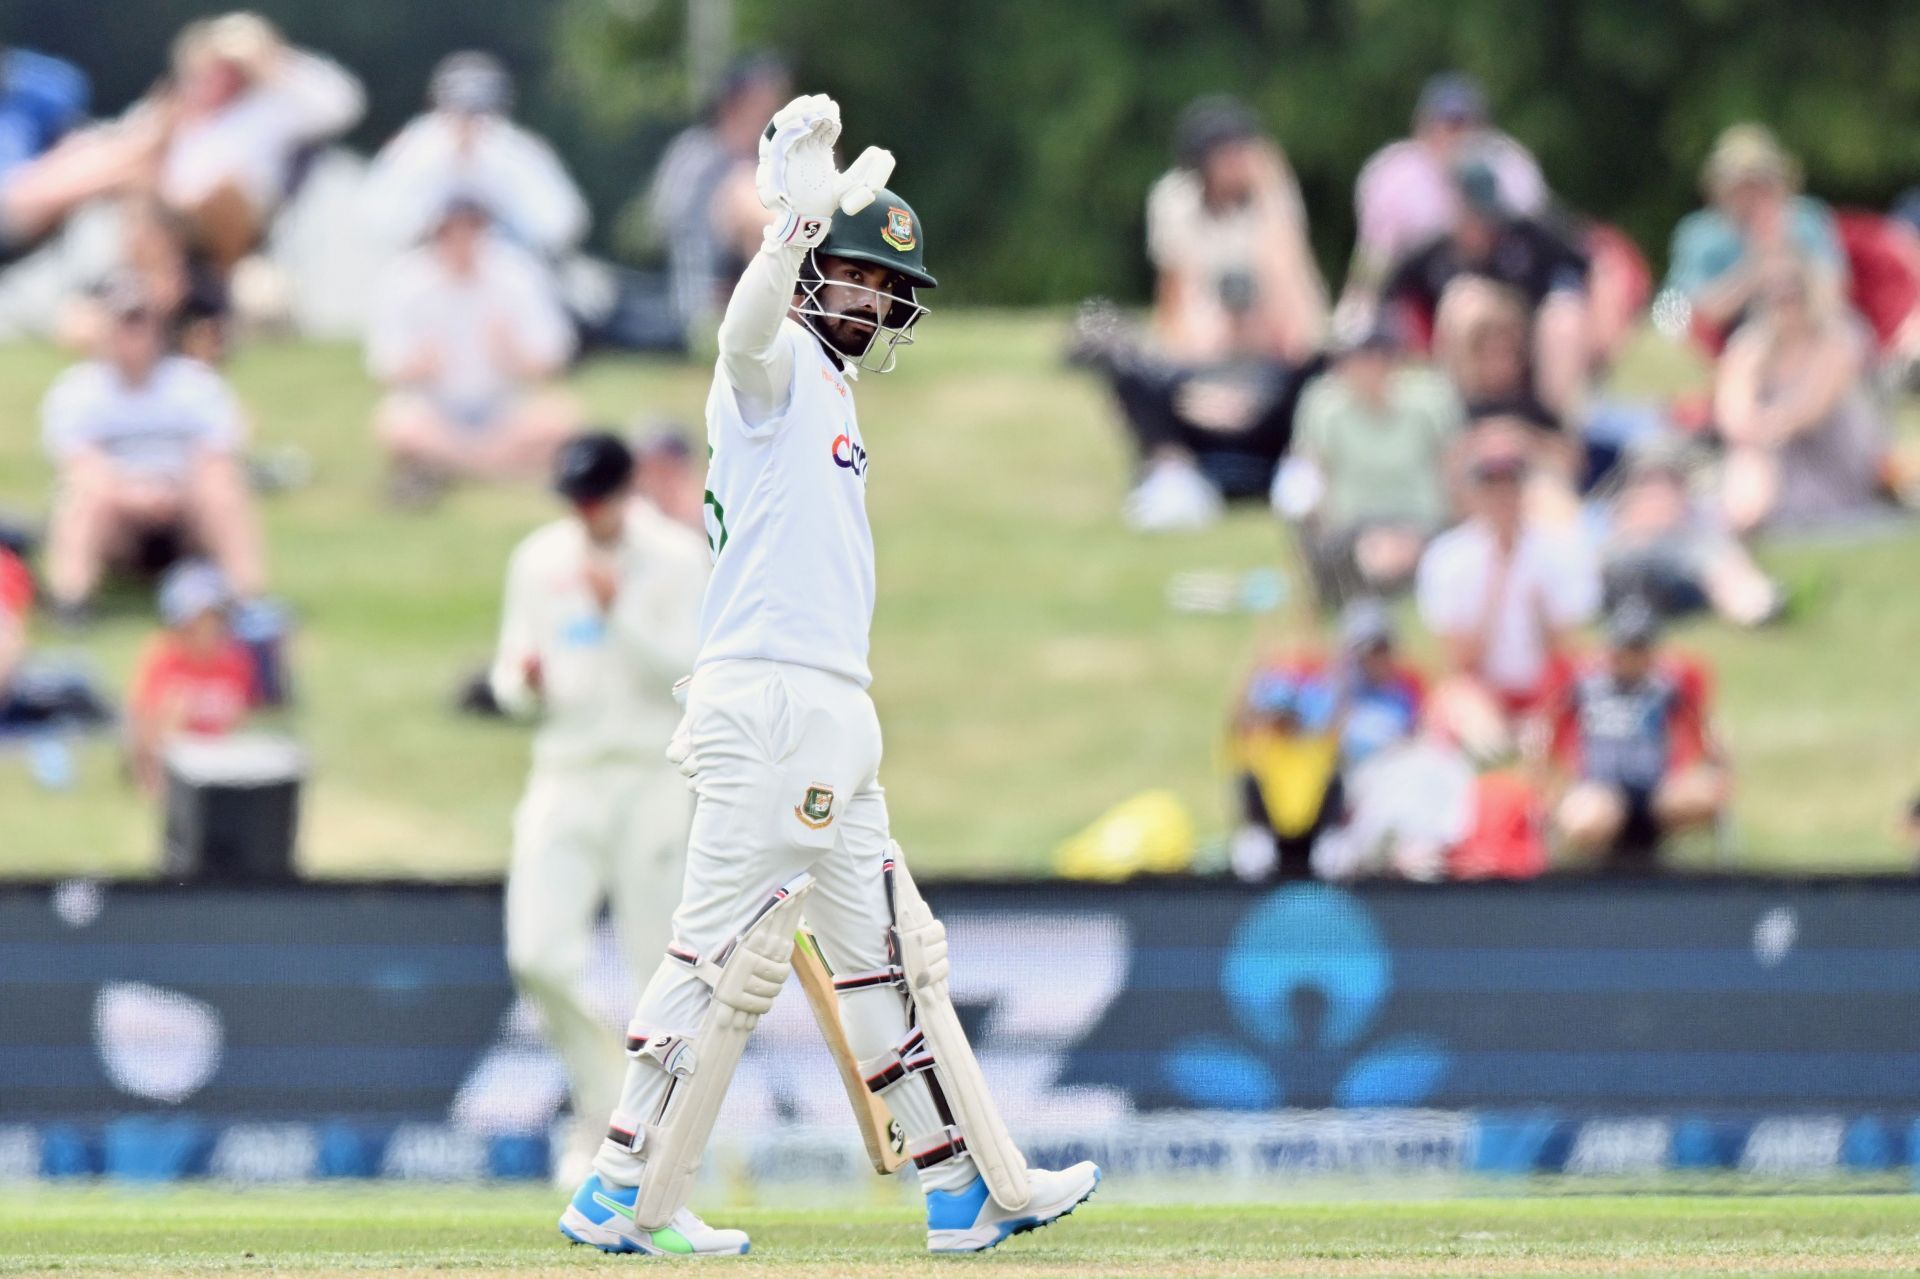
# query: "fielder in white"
[[783, 747], [602, 616]]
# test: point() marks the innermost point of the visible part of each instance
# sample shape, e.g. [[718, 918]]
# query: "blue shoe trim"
[[956, 1210], [583, 1201]]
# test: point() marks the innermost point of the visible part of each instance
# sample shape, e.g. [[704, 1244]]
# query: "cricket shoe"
[[969, 1220], [602, 1216]]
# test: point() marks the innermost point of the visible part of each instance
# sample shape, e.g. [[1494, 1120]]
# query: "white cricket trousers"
[[611, 832], [767, 738]]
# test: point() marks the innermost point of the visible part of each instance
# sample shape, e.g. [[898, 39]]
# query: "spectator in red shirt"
[[194, 677], [16, 597], [1631, 746]]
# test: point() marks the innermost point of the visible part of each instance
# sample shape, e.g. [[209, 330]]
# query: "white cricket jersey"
[[787, 523], [606, 678]]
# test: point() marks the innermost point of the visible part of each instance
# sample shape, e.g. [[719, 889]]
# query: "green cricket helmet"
[[887, 233]]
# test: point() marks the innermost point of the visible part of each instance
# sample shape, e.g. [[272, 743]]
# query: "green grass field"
[[1029, 671], [483, 1232]]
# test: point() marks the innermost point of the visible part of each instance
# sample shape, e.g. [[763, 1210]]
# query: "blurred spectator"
[[243, 108], [668, 479], [1805, 438], [185, 290], [40, 697], [146, 447], [1283, 752], [1754, 212], [16, 599], [1903, 239], [1368, 468], [1378, 698], [1441, 283], [1406, 197], [1239, 316], [1503, 593], [466, 332], [467, 141], [701, 203], [41, 100], [1912, 825], [1631, 746], [1227, 233], [1661, 548], [193, 677], [1484, 353]]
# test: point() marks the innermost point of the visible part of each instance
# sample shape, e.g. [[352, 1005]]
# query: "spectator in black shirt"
[[1494, 254]]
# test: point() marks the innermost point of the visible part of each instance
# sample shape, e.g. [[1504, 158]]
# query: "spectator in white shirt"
[[1503, 593], [464, 336], [244, 106], [146, 444], [467, 141]]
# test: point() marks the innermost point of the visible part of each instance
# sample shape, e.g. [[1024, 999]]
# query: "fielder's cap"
[[1633, 623], [1454, 96], [190, 589], [471, 81], [1210, 122], [592, 466], [1365, 624], [1479, 187], [1747, 153]]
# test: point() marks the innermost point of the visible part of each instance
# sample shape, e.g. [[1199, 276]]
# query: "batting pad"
[[746, 974], [920, 943]]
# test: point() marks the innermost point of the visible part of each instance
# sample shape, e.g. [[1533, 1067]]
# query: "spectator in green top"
[[1754, 212], [1367, 480]]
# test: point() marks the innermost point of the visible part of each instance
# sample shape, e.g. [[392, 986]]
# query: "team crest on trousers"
[[816, 810]]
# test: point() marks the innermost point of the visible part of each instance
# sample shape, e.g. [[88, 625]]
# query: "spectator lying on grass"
[[1367, 477], [1806, 440], [1632, 758], [194, 677], [1663, 548], [146, 446], [243, 104]]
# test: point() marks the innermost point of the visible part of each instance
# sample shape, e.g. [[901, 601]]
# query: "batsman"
[[782, 746]]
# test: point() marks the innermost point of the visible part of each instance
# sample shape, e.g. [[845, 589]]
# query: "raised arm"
[[796, 179]]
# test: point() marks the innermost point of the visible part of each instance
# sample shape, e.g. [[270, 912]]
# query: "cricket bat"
[[886, 1141]]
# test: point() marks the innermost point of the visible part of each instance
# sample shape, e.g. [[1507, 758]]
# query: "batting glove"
[[796, 177]]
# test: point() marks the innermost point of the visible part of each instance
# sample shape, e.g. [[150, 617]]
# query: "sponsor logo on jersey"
[[899, 229], [850, 454], [816, 809]]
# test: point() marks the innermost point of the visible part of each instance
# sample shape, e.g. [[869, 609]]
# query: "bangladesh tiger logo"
[[816, 810], [899, 229]]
